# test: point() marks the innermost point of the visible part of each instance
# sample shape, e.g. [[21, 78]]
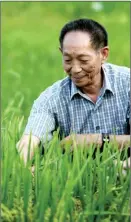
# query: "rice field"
[[65, 186], [75, 186]]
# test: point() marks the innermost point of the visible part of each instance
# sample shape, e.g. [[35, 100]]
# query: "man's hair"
[[98, 34]]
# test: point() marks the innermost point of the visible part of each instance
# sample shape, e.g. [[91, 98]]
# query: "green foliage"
[[65, 186], [69, 186], [31, 60]]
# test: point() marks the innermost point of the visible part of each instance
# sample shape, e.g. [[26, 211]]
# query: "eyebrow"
[[79, 55]]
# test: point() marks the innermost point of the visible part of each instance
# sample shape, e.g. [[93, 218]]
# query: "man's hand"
[[126, 163], [90, 138], [23, 145]]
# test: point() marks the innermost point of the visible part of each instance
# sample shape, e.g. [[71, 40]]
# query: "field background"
[[31, 60]]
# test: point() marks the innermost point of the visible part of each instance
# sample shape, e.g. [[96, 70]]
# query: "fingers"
[[126, 163], [23, 145]]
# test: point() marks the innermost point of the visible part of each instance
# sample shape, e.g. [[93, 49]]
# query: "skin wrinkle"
[[83, 63]]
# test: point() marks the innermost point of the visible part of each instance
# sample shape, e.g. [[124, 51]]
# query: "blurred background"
[[31, 60]]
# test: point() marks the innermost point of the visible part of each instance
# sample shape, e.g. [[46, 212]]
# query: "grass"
[[31, 60], [64, 187]]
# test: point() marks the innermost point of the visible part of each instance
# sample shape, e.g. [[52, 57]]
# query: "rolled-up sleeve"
[[41, 122]]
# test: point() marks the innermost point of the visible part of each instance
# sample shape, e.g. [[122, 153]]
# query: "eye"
[[84, 61], [67, 60]]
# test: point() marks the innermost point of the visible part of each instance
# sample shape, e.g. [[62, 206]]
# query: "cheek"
[[67, 68], [89, 68]]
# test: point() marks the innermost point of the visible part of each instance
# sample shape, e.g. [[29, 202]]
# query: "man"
[[91, 101]]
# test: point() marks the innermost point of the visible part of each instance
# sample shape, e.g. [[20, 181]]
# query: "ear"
[[104, 53]]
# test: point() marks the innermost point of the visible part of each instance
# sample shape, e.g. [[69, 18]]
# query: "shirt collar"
[[107, 80], [106, 86], [74, 89]]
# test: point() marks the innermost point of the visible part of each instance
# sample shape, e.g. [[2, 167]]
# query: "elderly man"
[[92, 101]]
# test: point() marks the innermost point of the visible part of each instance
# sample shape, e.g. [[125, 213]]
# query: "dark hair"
[[98, 34]]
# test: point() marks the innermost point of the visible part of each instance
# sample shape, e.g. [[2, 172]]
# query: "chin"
[[82, 83]]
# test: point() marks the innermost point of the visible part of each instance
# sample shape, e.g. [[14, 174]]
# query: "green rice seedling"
[[73, 185], [66, 185]]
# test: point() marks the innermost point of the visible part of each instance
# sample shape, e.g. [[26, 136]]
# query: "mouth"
[[78, 77]]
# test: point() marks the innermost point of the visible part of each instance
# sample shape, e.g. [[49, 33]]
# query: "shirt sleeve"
[[128, 116], [128, 112], [41, 122], [128, 108]]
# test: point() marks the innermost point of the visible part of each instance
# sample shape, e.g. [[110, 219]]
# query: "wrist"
[[105, 140], [120, 140]]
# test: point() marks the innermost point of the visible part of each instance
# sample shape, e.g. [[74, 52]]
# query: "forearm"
[[121, 140]]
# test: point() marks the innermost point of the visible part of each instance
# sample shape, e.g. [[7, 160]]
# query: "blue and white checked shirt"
[[63, 105]]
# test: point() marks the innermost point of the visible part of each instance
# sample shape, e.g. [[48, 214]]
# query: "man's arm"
[[40, 125], [121, 140]]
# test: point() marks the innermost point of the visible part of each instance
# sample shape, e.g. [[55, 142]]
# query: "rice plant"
[[65, 186]]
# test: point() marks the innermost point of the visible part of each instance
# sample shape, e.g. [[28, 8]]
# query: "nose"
[[76, 68]]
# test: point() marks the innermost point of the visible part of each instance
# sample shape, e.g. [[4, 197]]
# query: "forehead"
[[76, 39], [77, 42]]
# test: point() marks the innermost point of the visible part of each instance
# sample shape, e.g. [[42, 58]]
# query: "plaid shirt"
[[63, 105]]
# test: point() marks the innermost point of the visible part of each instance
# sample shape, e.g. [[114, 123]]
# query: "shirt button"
[[97, 127]]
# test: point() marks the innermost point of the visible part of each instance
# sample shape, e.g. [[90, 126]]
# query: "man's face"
[[80, 60]]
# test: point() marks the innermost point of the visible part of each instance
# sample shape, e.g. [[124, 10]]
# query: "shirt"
[[64, 106]]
